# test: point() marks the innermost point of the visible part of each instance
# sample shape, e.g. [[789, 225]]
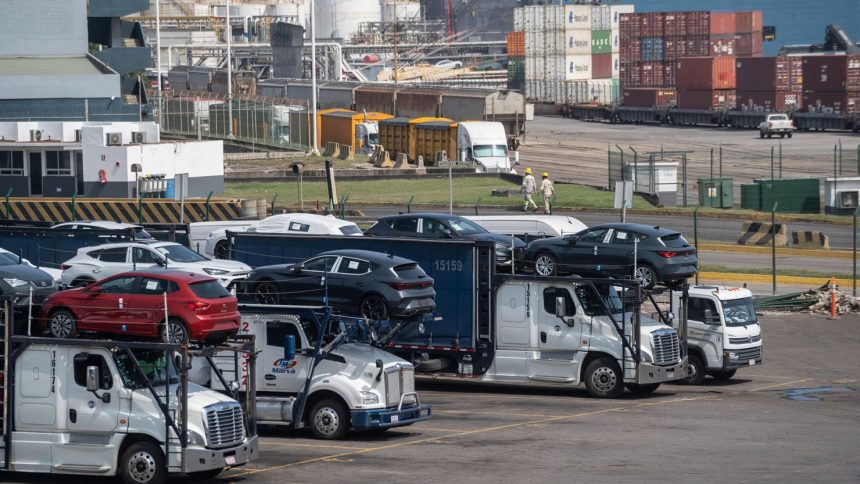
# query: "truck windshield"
[[485, 151], [373, 138], [152, 364], [739, 312], [595, 303]]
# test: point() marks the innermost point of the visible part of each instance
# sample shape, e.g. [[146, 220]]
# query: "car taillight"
[[198, 306], [666, 254], [402, 286]]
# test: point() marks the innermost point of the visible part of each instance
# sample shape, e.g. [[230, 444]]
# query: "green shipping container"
[[799, 195], [751, 196], [601, 41], [716, 192], [516, 69]]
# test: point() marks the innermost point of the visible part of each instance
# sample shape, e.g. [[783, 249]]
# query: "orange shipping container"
[[398, 135], [705, 73], [431, 137], [516, 44], [722, 23], [339, 126]]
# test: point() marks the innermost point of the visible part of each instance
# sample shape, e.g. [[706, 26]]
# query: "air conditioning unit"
[[849, 199], [138, 137], [77, 136], [114, 139], [36, 135]]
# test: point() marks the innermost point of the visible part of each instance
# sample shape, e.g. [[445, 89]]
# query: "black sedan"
[[444, 226], [371, 284], [660, 255]]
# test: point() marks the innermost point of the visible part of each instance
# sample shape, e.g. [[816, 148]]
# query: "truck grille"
[[392, 385], [224, 424], [745, 340], [667, 349], [749, 353]]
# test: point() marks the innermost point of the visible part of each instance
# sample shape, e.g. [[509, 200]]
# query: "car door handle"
[[543, 336], [270, 377], [96, 271], [73, 415]]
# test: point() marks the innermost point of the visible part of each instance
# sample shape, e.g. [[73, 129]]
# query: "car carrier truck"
[[513, 329], [114, 408]]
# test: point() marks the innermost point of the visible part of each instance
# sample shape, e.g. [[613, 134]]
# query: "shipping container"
[[722, 46], [651, 24], [177, 78], [755, 74], [705, 73], [828, 102], [555, 42], [748, 45], [431, 137], [789, 73], [648, 97], [600, 18], [601, 66], [652, 49], [852, 77], [615, 12], [554, 18], [699, 23], [200, 78], [337, 95], [706, 99], [747, 22], [244, 82], [506, 107], [616, 41], [555, 68], [577, 17], [601, 42], [722, 23], [516, 42], [578, 67], [596, 91], [616, 65], [578, 42], [534, 68], [533, 18], [380, 99], [519, 24], [631, 50], [825, 73], [769, 101], [415, 102], [394, 135], [653, 74]]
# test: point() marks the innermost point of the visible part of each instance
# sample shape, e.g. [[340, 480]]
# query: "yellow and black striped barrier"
[[146, 210], [762, 233]]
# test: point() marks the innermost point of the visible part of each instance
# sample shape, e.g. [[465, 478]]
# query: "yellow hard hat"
[[545, 175], [528, 171]]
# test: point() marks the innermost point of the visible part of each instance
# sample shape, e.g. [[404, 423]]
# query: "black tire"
[[769, 135], [695, 370], [789, 135], [723, 375], [205, 476], [761, 134], [62, 324], [142, 463], [675, 283], [373, 307], [177, 332], [642, 389], [82, 282], [222, 249], [546, 265], [603, 378], [329, 420], [267, 292], [781, 135], [646, 275]]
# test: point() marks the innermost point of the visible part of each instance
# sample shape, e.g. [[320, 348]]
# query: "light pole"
[[314, 145], [229, 35], [158, 43]]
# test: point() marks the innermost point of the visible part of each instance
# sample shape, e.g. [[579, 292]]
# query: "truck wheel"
[[642, 389], [695, 370], [722, 375], [761, 134], [781, 135], [177, 332], [769, 135], [603, 378], [142, 463], [646, 275], [789, 135], [329, 420], [62, 324], [545, 265], [221, 251]]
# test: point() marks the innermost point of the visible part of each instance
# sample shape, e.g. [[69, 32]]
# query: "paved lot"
[[756, 428]]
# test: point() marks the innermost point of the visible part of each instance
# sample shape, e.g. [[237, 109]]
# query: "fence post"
[[854, 255], [858, 160], [696, 234], [409, 204], [780, 159], [635, 169], [684, 161], [274, 199], [208, 198], [712, 165], [840, 157], [477, 205], [74, 207], [9, 192], [721, 161], [620, 150], [773, 244], [139, 209], [835, 176]]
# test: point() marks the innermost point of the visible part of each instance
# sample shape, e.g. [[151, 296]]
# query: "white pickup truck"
[[776, 124]]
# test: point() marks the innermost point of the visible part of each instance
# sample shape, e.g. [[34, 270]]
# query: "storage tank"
[[400, 10], [341, 18]]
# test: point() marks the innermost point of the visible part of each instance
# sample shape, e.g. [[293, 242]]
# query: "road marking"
[[320, 446], [504, 414], [442, 439], [742, 277]]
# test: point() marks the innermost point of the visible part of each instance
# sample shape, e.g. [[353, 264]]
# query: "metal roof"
[[39, 66]]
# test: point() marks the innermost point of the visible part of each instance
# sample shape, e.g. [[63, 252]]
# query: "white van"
[[529, 227]]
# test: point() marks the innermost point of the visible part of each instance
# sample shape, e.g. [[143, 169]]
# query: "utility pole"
[[229, 34], [395, 41], [158, 43], [314, 144]]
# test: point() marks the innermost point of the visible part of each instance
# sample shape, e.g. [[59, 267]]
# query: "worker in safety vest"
[[547, 189], [529, 187]]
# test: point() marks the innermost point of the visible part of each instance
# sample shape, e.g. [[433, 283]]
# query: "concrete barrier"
[[759, 233], [345, 153], [810, 238]]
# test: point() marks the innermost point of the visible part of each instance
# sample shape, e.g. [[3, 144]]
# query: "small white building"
[[841, 195], [60, 159]]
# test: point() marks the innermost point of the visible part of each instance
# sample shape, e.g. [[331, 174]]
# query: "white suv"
[[95, 263]]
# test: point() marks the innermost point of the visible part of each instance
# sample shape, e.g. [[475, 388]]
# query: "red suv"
[[132, 303]]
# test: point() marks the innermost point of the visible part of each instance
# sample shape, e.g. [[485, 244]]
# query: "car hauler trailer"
[[115, 408], [523, 329], [315, 370]]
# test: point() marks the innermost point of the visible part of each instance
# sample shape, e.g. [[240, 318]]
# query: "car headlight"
[[369, 398], [195, 439], [215, 272], [15, 282]]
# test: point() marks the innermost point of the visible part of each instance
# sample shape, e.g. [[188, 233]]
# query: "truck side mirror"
[[289, 347], [709, 317], [559, 307], [92, 378]]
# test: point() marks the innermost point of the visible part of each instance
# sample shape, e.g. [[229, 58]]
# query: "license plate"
[[752, 362], [230, 460], [395, 418], [670, 374]]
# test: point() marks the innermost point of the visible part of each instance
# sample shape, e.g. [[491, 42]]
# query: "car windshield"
[[739, 312], [350, 229], [483, 151], [778, 117], [464, 227], [179, 253], [593, 302], [153, 365]]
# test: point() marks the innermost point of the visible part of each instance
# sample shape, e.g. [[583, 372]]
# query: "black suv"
[[444, 226], [661, 255]]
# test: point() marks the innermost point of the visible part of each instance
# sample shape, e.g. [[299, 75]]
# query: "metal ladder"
[[5, 350]]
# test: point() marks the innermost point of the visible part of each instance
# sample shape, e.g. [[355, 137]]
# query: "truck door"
[[278, 374], [706, 337], [558, 334]]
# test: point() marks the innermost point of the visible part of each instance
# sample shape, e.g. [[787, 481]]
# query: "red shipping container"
[[722, 45], [757, 47], [722, 23], [825, 73], [630, 74], [648, 97], [747, 22], [706, 99], [652, 24], [698, 23], [826, 102], [789, 100], [675, 24], [705, 73], [744, 45], [755, 74], [630, 50], [699, 46], [601, 66], [789, 73], [852, 77], [773, 101], [757, 21]]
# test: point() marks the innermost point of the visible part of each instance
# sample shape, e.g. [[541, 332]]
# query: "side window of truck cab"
[[276, 331], [549, 296], [697, 306], [84, 360]]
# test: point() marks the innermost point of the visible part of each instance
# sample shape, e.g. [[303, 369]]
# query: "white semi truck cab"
[[484, 143], [106, 408], [723, 332], [317, 371], [366, 136]]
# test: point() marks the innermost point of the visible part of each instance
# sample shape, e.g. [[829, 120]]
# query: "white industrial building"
[[61, 159]]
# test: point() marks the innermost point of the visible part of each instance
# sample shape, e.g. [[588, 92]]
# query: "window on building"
[[58, 163], [12, 163]]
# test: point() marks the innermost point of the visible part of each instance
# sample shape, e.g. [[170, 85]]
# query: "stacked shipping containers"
[[769, 84], [831, 84], [516, 60]]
